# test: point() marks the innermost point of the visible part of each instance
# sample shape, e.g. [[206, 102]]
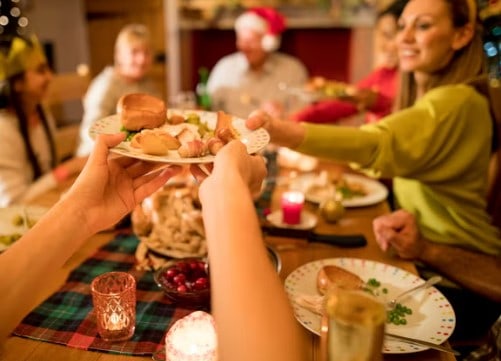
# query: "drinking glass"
[[353, 327], [114, 300]]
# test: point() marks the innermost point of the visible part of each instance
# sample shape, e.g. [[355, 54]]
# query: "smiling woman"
[[436, 147]]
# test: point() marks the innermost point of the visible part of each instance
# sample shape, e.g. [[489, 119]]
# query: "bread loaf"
[[139, 111]]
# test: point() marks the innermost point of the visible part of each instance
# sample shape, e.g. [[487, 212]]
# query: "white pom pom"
[[270, 42]]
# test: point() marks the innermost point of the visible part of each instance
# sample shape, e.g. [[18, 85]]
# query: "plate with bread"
[[175, 136], [428, 315]]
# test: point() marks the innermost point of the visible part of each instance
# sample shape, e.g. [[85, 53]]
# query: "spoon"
[[433, 280]]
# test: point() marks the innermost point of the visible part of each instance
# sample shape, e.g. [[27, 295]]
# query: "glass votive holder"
[[114, 300], [292, 205]]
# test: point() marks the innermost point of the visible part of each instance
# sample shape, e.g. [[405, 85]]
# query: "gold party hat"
[[23, 54]]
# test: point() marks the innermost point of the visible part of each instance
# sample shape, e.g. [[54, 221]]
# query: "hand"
[[399, 230], [233, 157], [273, 108], [283, 133], [259, 119], [362, 98], [109, 188]]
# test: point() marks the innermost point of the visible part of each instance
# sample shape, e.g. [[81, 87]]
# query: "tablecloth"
[[67, 316]]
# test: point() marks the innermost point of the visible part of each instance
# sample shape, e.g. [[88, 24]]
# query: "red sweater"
[[381, 80]]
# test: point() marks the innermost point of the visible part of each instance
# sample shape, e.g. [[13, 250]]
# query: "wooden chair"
[[64, 101]]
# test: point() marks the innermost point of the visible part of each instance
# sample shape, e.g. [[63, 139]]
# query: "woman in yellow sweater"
[[437, 147]]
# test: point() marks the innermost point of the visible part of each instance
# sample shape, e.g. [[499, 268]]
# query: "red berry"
[[171, 272], [179, 278], [201, 283], [181, 289]]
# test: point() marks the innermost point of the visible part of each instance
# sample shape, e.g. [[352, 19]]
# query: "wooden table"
[[293, 252]]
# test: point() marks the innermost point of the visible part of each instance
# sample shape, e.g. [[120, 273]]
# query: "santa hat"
[[264, 20]]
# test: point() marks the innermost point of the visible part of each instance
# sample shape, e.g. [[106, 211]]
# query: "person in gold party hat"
[[27, 156]]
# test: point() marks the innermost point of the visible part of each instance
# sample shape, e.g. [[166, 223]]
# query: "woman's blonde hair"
[[133, 34], [466, 64]]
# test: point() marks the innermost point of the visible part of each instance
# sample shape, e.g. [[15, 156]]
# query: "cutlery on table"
[[433, 280], [340, 240], [422, 343]]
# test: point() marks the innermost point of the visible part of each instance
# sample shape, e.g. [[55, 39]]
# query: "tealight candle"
[[292, 205], [114, 300], [192, 338]]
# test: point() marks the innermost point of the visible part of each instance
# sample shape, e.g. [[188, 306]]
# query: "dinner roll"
[[138, 111]]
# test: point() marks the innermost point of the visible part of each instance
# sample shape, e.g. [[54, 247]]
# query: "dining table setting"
[[303, 233]]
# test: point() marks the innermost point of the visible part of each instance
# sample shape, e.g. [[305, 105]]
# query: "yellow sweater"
[[438, 153]]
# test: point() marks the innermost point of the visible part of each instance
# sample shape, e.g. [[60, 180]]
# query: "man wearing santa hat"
[[249, 78]]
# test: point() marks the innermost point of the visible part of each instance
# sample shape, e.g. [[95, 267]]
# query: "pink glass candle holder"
[[114, 300], [292, 205]]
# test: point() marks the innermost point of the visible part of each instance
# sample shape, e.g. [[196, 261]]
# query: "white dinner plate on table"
[[254, 140], [432, 317], [12, 220], [375, 190]]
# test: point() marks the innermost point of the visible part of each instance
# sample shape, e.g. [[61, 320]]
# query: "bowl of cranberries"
[[185, 281]]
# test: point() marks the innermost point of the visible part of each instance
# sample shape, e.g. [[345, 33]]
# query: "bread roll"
[[330, 276], [139, 111]]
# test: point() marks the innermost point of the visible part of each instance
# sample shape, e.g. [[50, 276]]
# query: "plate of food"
[[169, 224], [430, 317], [355, 190], [319, 88], [175, 136], [15, 221]]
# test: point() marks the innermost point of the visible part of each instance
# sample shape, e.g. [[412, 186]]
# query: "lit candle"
[[192, 338], [116, 323], [292, 205]]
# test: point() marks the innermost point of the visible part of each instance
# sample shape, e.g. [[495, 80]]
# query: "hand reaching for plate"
[[232, 161]]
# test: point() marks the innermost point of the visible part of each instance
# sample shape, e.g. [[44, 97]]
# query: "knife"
[[422, 343], [352, 240]]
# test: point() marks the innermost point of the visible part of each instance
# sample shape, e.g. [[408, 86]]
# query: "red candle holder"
[[292, 205]]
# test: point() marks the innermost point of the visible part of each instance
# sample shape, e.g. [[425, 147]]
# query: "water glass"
[[353, 327], [114, 300]]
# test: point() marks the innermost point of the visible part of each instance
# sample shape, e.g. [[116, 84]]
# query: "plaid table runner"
[[67, 316]]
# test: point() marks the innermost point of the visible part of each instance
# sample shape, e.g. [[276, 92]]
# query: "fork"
[[430, 282]]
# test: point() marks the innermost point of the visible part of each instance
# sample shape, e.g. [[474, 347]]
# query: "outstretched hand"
[[110, 187], [284, 133]]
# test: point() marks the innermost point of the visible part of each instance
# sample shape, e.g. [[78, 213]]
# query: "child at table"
[[28, 164]]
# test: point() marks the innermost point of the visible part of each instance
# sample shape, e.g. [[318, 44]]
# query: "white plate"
[[7, 220], [255, 140], [308, 220], [376, 191], [432, 320]]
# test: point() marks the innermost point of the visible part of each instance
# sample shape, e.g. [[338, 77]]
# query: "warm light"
[[292, 205], [115, 323], [192, 338]]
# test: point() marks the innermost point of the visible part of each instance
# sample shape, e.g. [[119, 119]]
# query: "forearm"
[[31, 262], [474, 271], [252, 312]]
